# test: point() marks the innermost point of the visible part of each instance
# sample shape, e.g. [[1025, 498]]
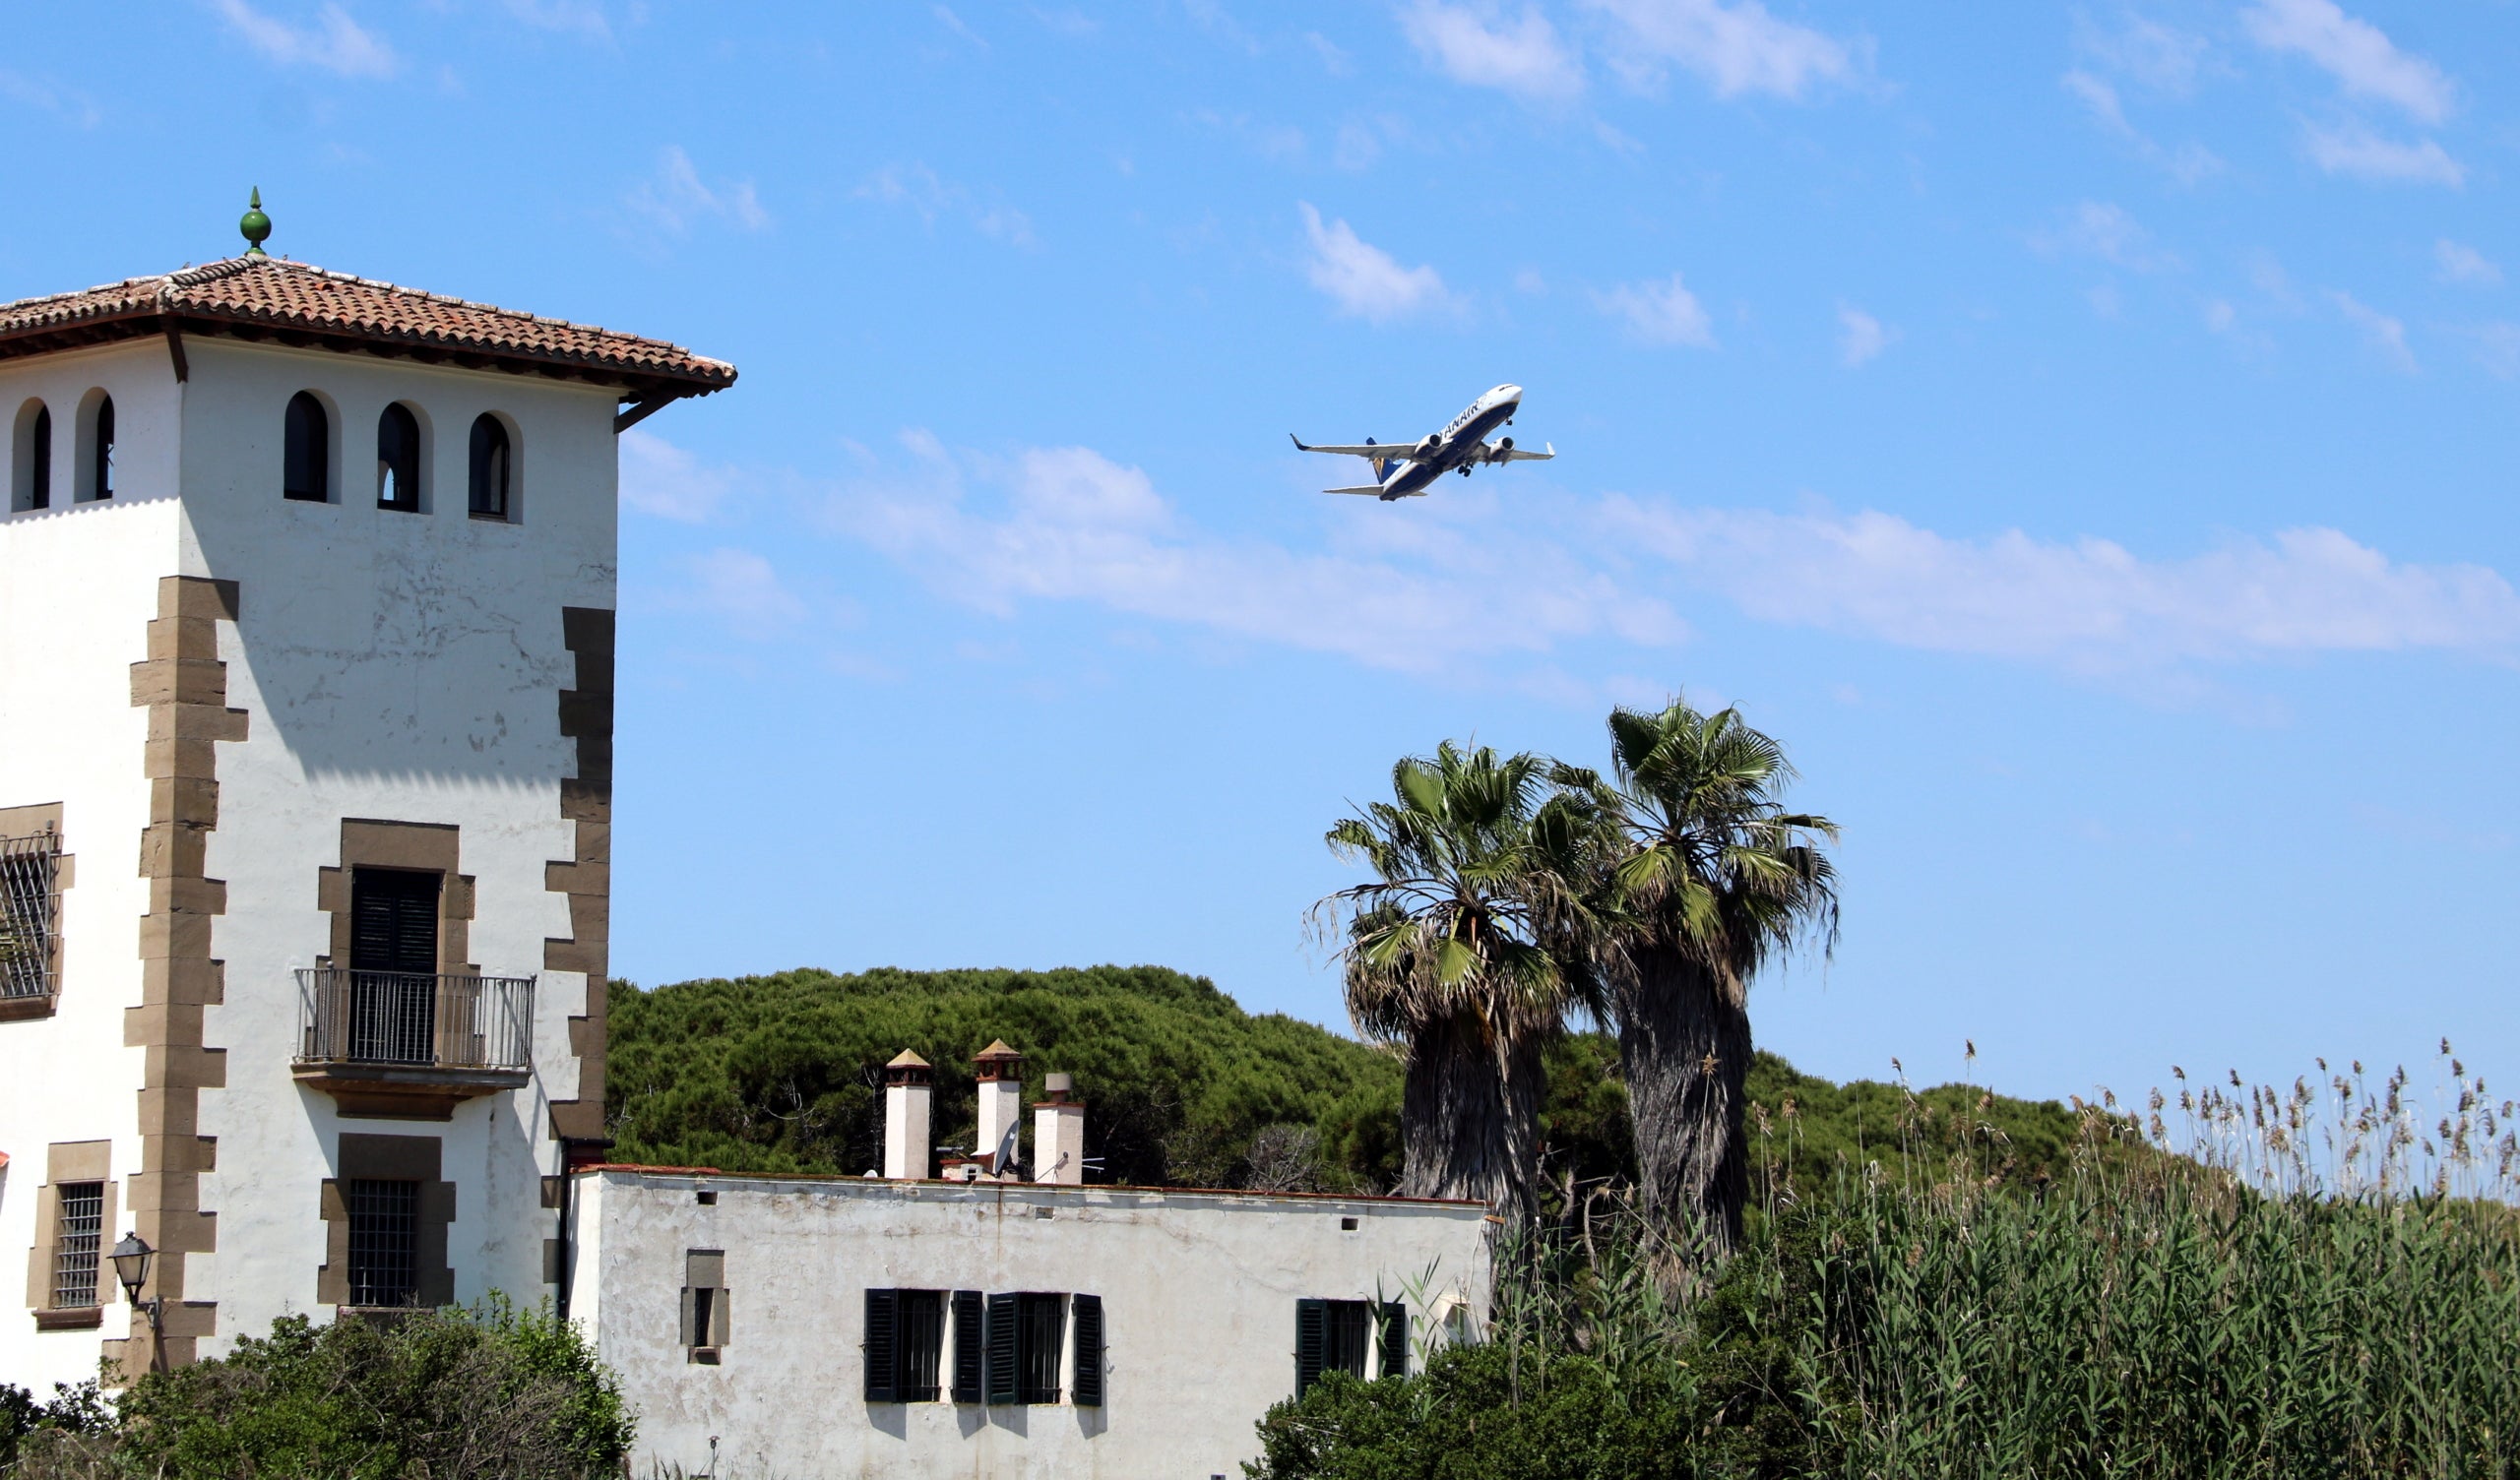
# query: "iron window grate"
[[78, 1237], [385, 1242], [30, 909]]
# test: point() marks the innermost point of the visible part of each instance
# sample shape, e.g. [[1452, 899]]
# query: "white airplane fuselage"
[[1459, 447]]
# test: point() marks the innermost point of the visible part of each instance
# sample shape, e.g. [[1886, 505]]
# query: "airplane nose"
[[1507, 393]]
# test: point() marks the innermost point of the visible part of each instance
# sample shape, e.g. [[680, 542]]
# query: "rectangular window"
[[707, 1314], [1341, 1335], [30, 909], [905, 1346], [1044, 1326], [385, 1242], [393, 1006], [79, 1230]]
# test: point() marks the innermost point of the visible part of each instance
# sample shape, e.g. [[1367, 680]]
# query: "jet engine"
[[1426, 448], [1504, 445]]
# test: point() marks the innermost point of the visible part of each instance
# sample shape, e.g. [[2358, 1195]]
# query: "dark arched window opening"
[[307, 452], [493, 465], [39, 461], [397, 459], [103, 487]]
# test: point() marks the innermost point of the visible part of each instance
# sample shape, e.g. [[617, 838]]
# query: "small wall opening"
[[491, 464], [97, 439], [400, 459], [31, 458], [306, 449]]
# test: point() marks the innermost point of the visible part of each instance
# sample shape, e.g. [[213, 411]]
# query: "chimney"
[[906, 1087], [1059, 1133], [998, 1069]]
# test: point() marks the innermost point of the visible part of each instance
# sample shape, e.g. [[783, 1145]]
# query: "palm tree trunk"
[[1470, 1116], [1684, 1047]]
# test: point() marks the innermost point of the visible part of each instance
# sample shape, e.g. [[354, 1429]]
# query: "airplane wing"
[[1376, 490], [1404, 452], [1518, 455]]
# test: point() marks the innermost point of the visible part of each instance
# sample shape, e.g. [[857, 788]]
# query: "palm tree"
[[1454, 954], [1703, 877]]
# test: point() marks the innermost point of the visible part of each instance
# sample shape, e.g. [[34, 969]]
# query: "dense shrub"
[[421, 1397]]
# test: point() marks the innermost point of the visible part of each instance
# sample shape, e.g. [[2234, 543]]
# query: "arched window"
[[306, 454], [100, 468], [32, 455], [493, 467], [397, 459]]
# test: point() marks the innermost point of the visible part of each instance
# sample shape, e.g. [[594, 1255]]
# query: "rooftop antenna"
[[256, 226]]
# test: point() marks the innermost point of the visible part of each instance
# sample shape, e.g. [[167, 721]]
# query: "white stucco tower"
[[306, 649]]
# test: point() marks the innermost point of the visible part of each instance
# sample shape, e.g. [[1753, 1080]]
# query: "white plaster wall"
[[395, 666], [78, 588], [1199, 1293]]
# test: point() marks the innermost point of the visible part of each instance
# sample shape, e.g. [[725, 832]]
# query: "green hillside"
[[1182, 1087]]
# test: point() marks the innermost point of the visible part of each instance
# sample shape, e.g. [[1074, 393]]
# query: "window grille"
[[79, 1230], [385, 1242], [30, 908], [1041, 1346]]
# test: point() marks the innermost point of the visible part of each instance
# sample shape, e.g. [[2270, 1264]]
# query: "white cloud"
[[2352, 150], [2090, 605], [1479, 46], [586, 16], [1736, 49], [676, 197], [2357, 53], [741, 589], [2102, 100], [1366, 281], [1070, 525], [918, 187], [2498, 348], [333, 43], [1862, 336], [2188, 163], [2385, 335], [2161, 58], [2460, 263], [1660, 313], [2219, 315], [2096, 228], [668, 481], [41, 93]]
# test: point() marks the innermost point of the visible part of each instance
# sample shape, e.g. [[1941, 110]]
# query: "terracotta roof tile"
[[295, 295]]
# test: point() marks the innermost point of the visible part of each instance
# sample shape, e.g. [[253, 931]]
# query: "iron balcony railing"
[[405, 1017]]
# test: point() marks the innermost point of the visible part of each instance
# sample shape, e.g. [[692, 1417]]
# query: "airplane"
[[1402, 471]]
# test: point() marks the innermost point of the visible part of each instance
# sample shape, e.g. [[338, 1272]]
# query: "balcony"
[[398, 1045]]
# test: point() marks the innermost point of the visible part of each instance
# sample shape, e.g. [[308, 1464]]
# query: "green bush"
[[418, 1397]]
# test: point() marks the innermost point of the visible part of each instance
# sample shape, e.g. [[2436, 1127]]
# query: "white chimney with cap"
[[908, 1087], [999, 1070], [1059, 1133]]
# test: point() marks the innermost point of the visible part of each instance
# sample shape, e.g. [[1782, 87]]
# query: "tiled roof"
[[275, 294]]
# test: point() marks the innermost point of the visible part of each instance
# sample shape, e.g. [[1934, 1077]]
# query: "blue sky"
[[2084, 434]]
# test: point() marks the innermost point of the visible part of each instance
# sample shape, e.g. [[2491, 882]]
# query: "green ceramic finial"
[[255, 225]]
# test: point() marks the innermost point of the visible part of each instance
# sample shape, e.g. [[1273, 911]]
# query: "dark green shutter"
[[1312, 1341], [1005, 1348], [883, 1346], [971, 1346], [1395, 1340], [1087, 1391]]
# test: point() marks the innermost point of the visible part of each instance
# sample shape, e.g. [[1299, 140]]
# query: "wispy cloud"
[[674, 197], [1660, 313], [1860, 336], [2459, 262], [1479, 45], [332, 43], [2188, 164], [1070, 525], [42, 94], [742, 589], [585, 17], [1736, 49], [1366, 281], [2160, 59], [2097, 228], [659, 478], [2354, 151], [2386, 335], [2357, 54], [2087, 605], [919, 188]]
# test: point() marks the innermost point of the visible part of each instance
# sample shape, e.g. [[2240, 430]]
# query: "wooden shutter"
[[883, 1346], [971, 1346], [1085, 1390], [1005, 1347], [393, 920], [1312, 1341], [1395, 1340]]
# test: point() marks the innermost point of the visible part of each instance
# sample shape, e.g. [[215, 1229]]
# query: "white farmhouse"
[[306, 625]]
